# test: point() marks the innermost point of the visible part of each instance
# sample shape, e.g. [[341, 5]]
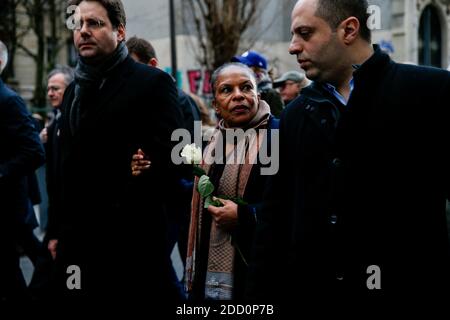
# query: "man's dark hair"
[[336, 11], [143, 49], [116, 12]]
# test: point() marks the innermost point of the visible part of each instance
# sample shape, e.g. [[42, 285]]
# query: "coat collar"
[[315, 96], [372, 69], [315, 100], [109, 90]]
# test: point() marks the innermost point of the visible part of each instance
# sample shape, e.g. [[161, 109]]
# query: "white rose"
[[192, 154]]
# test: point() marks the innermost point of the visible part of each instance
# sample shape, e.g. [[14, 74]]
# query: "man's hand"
[[139, 163], [52, 245], [226, 217], [43, 135]]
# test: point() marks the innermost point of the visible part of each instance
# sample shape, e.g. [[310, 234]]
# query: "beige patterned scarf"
[[219, 277]]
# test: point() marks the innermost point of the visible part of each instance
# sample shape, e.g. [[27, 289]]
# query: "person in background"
[[57, 81], [142, 51], [290, 84], [21, 154], [258, 63], [208, 124]]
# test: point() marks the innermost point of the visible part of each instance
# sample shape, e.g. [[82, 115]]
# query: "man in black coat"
[[57, 81], [358, 206], [20, 154], [110, 221]]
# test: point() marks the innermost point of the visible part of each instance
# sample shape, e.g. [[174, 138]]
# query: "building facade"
[[416, 31], [38, 37], [412, 31]]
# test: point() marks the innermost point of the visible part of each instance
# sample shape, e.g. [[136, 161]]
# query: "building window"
[[430, 38]]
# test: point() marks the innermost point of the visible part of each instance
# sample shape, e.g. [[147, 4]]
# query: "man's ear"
[[153, 62], [349, 30], [121, 33]]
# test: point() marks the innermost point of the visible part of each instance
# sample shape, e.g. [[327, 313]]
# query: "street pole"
[[173, 43]]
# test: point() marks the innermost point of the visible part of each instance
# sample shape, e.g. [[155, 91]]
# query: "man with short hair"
[[109, 219], [21, 154], [40, 285], [290, 85], [58, 80], [142, 51], [357, 209]]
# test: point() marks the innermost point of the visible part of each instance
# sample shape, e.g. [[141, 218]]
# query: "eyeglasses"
[[91, 24]]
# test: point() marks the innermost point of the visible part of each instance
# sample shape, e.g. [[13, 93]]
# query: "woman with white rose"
[[220, 235]]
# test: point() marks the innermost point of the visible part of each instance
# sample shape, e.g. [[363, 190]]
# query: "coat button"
[[337, 163], [333, 219], [115, 205]]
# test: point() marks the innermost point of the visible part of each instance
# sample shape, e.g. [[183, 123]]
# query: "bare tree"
[[38, 13], [34, 11], [8, 32], [219, 25], [58, 32]]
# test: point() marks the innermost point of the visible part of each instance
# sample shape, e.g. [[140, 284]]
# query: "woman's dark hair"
[[219, 70]]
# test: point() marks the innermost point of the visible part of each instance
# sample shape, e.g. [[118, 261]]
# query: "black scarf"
[[89, 78]]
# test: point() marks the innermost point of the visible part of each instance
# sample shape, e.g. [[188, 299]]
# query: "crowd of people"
[[361, 185]]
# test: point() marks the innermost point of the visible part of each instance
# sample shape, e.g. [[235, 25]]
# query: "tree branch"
[[203, 59], [27, 51], [219, 25], [250, 16]]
